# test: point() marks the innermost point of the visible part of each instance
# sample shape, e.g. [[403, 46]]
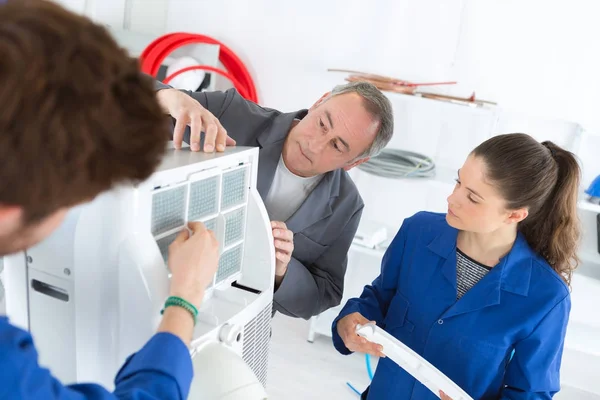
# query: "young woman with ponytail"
[[481, 292]]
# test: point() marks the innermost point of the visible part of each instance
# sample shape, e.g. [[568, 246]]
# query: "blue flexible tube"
[[369, 369], [353, 388]]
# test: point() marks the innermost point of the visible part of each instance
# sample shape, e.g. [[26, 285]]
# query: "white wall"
[[529, 55], [534, 55], [290, 45]]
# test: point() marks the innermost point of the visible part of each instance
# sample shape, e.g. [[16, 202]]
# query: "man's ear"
[[320, 101], [10, 218], [356, 163]]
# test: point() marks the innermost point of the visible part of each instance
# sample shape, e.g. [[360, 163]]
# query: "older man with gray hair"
[[314, 206]]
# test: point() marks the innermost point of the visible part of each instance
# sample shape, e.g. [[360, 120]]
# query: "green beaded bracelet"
[[179, 302]]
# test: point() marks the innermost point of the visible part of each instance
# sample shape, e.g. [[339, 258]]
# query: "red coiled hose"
[[155, 53]]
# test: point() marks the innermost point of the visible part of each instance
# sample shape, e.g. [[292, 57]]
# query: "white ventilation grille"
[[257, 339], [219, 201], [204, 198], [234, 188], [211, 224], [168, 210], [164, 243], [234, 226], [230, 263]]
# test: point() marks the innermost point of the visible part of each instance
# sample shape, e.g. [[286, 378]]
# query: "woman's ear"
[[518, 215]]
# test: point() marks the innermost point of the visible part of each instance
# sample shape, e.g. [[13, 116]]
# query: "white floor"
[[299, 370]]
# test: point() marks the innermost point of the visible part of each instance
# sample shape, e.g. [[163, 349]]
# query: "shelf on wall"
[[417, 98]]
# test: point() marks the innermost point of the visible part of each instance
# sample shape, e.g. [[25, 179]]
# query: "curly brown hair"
[[544, 178], [76, 114]]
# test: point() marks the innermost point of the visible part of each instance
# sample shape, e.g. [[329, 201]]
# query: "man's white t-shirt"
[[288, 192]]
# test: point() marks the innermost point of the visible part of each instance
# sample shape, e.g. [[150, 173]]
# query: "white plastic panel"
[[258, 264], [143, 288], [15, 284], [168, 209], [51, 305], [412, 363], [223, 359]]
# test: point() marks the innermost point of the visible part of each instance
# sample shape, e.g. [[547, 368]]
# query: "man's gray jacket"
[[323, 226]]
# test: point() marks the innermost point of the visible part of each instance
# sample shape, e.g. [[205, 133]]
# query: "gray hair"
[[378, 105]]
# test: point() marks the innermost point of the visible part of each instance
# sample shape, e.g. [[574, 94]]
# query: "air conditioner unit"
[[91, 294]]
